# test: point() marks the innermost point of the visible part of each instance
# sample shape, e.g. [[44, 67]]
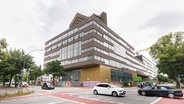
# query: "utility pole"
[[24, 59]]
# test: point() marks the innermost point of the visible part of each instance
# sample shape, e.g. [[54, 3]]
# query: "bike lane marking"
[[82, 100], [39, 93], [62, 95], [64, 100]]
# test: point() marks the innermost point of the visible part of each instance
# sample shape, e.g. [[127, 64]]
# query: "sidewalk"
[[11, 90]]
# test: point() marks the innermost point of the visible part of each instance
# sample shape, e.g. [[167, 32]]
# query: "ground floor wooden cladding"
[[89, 76], [96, 73]]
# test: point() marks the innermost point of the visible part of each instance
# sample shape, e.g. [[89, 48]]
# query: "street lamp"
[[24, 59]]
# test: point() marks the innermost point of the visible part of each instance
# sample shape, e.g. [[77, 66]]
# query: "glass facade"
[[69, 50], [72, 75], [120, 76]]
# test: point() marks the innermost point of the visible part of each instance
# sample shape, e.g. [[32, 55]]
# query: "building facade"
[[90, 51]]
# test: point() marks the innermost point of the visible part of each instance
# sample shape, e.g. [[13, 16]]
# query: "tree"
[[35, 72], [54, 68], [6, 69], [162, 78], [16, 58], [14, 64], [168, 52], [3, 49], [4, 66]]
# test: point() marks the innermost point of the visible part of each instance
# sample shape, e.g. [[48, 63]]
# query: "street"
[[79, 95]]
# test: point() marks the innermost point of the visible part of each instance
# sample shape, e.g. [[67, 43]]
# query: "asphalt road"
[[130, 98], [77, 95]]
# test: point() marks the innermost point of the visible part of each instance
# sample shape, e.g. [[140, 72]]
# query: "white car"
[[108, 89]]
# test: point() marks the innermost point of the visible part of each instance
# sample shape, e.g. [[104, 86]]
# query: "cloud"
[[28, 24], [166, 20]]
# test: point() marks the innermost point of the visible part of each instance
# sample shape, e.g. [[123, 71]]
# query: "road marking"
[[154, 102], [64, 100], [99, 100], [82, 100]]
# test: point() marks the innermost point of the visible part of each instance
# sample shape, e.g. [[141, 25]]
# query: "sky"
[[28, 24]]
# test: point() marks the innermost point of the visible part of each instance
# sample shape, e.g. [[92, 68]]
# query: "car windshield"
[[168, 87], [49, 84]]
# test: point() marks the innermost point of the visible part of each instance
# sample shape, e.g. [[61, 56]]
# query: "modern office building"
[[90, 51]]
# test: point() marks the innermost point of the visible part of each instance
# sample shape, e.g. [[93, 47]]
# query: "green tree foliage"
[[17, 58], [3, 49], [54, 68], [4, 66], [168, 52], [12, 62], [162, 78], [13, 65], [6, 69], [35, 72]]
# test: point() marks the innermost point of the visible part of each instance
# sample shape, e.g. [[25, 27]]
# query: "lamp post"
[[24, 59]]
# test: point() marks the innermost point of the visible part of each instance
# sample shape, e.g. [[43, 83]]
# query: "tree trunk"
[[177, 83], [10, 80], [3, 80], [15, 81], [53, 80], [35, 81]]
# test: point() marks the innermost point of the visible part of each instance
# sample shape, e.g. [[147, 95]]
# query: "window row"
[[70, 33], [107, 32], [53, 59], [70, 39], [77, 60], [104, 43], [52, 54], [95, 49], [139, 66], [76, 45], [70, 51], [112, 63]]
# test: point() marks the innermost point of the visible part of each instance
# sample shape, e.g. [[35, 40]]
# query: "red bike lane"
[[82, 100], [171, 101]]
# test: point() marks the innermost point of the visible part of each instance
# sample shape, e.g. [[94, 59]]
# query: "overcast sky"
[[28, 24]]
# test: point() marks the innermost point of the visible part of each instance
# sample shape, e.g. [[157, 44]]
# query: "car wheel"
[[171, 95], [143, 93], [114, 94], [95, 92]]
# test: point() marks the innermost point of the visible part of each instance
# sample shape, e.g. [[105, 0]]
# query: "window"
[[163, 88]]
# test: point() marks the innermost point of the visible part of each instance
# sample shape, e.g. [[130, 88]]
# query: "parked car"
[[164, 91], [108, 89], [47, 85]]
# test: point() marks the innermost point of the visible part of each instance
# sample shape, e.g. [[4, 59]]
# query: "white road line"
[[156, 100]]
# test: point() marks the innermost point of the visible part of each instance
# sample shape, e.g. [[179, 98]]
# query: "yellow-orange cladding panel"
[[90, 74], [96, 73], [105, 74]]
